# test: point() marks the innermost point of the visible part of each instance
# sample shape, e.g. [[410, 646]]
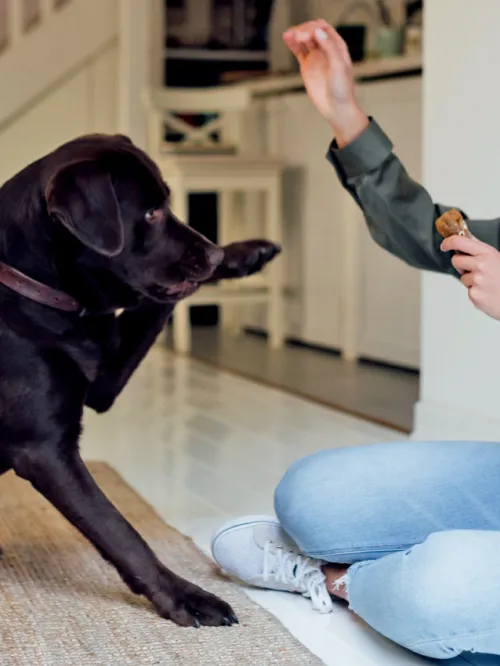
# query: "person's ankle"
[[336, 580]]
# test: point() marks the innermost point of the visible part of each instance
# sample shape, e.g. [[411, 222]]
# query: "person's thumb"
[[326, 44]]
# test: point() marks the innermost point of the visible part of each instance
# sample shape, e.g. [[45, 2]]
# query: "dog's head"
[[111, 198]]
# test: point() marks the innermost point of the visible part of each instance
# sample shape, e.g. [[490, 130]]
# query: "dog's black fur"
[[92, 219]]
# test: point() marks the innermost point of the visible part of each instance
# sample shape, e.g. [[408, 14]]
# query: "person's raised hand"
[[479, 266], [327, 71]]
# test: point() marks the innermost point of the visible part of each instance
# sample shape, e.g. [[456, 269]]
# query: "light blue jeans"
[[420, 525]]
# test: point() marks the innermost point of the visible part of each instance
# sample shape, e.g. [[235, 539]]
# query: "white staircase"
[[44, 41], [69, 67]]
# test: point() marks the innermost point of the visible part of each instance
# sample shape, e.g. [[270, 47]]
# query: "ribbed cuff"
[[366, 153]]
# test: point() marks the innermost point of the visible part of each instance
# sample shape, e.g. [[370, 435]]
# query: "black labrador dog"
[[85, 232]]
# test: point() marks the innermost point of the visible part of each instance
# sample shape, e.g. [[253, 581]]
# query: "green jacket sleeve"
[[399, 212]]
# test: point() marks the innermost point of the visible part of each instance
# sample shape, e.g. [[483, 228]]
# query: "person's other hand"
[[327, 71], [479, 267]]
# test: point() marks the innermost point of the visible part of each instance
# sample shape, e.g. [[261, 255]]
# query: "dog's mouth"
[[175, 292], [182, 289]]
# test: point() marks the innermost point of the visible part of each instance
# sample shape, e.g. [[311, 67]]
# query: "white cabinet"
[[312, 249], [312, 201], [345, 292], [388, 298]]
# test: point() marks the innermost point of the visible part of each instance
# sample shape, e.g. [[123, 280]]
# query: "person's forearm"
[[399, 212]]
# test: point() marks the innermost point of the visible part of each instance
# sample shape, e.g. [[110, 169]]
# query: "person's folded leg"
[[420, 525], [440, 598], [359, 503]]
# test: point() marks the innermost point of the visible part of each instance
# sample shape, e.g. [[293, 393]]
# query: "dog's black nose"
[[200, 260]]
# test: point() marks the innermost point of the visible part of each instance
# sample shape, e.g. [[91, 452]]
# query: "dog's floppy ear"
[[81, 196]]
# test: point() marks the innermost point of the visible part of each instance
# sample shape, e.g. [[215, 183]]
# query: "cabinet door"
[[312, 211], [313, 205], [388, 322]]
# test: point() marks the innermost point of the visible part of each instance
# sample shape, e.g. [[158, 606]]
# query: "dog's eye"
[[153, 215]]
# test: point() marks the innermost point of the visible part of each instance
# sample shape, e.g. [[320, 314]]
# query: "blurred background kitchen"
[[350, 329]]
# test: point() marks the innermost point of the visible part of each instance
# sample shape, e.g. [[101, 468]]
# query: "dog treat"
[[452, 223]]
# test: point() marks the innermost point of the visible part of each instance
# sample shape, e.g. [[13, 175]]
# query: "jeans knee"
[[306, 500], [292, 498]]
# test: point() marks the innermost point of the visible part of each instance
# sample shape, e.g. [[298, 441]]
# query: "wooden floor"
[[377, 393], [203, 446]]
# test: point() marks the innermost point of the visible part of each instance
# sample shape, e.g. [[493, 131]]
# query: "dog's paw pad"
[[248, 257]]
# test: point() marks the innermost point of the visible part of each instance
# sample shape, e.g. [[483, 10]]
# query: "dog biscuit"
[[452, 223]]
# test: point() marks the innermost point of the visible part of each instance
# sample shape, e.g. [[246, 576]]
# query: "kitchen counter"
[[368, 70]]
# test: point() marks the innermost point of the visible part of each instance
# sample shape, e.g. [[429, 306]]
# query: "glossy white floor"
[[202, 446]]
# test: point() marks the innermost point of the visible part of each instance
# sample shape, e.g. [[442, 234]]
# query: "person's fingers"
[[337, 40], [466, 245], [296, 36], [298, 49], [468, 280], [305, 33], [464, 262], [471, 280], [342, 48], [317, 35], [306, 40], [308, 27], [301, 50], [302, 56], [326, 43], [317, 29], [475, 296], [291, 42]]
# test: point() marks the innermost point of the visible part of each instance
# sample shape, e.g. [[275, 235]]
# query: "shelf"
[[373, 68], [223, 55]]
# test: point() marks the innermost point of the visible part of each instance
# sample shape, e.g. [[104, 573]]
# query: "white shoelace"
[[301, 573]]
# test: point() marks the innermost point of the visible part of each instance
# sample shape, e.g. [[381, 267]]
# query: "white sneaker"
[[257, 551]]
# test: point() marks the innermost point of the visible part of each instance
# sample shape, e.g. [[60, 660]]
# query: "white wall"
[[85, 102], [460, 388], [141, 28], [39, 59], [83, 69]]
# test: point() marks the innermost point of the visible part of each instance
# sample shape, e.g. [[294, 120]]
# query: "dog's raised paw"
[[246, 258]]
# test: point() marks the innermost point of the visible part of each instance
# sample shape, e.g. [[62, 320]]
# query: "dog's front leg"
[[136, 332], [64, 480], [138, 329]]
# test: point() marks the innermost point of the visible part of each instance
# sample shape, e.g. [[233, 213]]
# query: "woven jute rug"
[[62, 605]]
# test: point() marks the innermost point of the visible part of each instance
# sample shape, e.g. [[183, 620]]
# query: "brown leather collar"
[[36, 291]]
